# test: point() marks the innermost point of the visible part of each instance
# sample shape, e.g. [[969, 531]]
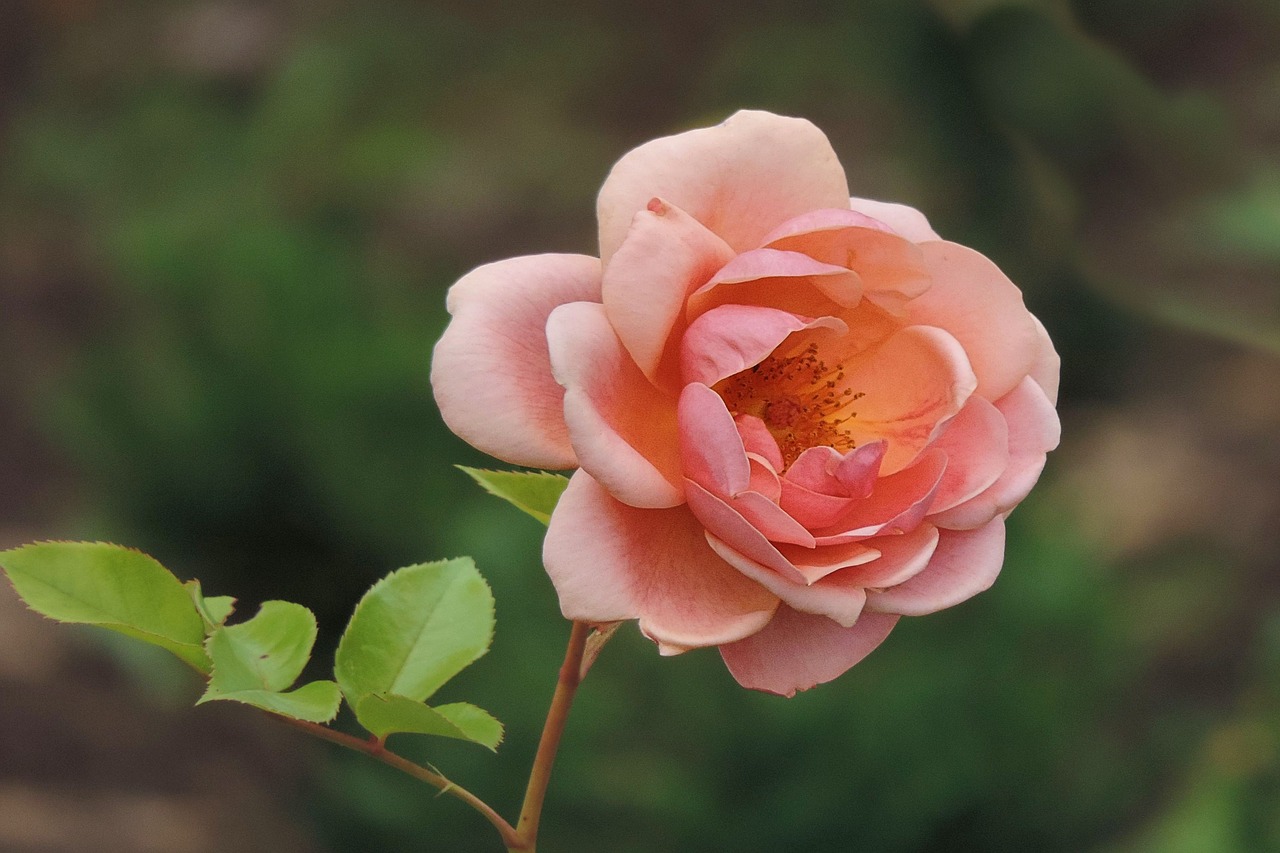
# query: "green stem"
[[375, 749], [540, 775]]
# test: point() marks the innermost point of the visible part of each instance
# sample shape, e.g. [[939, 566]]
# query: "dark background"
[[226, 230]]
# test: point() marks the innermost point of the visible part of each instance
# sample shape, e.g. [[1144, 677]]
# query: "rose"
[[795, 416]]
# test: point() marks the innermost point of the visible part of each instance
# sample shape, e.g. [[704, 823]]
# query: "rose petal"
[[910, 386], [667, 254], [609, 562], [788, 281], [814, 564], [899, 502], [905, 220], [728, 525], [491, 371], [828, 471], [796, 651], [831, 597], [976, 442], [732, 338], [757, 439], [1034, 430], [739, 178], [901, 558], [711, 449], [623, 429], [978, 304], [892, 269], [965, 563], [1047, 365]]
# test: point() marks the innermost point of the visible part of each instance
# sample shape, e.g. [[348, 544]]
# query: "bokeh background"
[[226, 230]]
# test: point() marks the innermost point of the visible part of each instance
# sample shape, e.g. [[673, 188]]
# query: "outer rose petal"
[[491, 371], [623, 429], [796, 651], [611, 562], [977, 446], [1033, 431], [667, 255], [978, 304], [965, 563], [740, 178], [905, 220], [1044, 370]]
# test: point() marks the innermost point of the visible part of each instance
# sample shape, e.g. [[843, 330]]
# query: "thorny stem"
[[540, 775], [375, 749], [523, 838]]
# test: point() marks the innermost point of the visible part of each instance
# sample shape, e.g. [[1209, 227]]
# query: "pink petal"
[[900, 501], [491, 371], [977, 303], [788, 281], [892, 269], [732, 338], [757, 439], [667, 254], [829, 597], [609, 562], [623, 429], [740, 178], [814, 510], [1045, 368], [727, 524], [901, 558], [814, 564], [911, 385], [976, 442], [1033, 431], [796, 651], [711, 449], [965, 563], [907, 221], [764, 478], [827, 470]]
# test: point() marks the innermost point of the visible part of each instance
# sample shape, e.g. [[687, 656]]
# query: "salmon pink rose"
[[795, 416]]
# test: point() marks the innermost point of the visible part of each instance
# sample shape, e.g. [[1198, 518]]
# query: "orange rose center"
[[802, 400]]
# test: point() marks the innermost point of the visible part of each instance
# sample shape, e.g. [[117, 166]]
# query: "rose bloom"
[[795, 416]]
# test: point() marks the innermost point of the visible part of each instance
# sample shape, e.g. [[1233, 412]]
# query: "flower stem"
[[540, 775], [375, 749]]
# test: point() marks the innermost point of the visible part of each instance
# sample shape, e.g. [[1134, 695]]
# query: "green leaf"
[[414, 630], [316, 702], [267, 652], [214, 610], [94, 583], [534, 492], [384, 714]]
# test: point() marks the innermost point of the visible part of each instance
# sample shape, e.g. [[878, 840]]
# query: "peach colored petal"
[[667, 254], [609, 562], [901, 558], [892, 269], [622, 428], [732, 338], [965, 563], [910, 386], [1045, 368], [829, 597], [814, 564], [764, 477], [978, 304], [976, 442], [815, 510], [728, 525], [796, 651], [788, 281], [905, 220], [900, 502], [757, 439], [740, 178], [491, 371], [711, 449], [1034, 430], [827, 470]]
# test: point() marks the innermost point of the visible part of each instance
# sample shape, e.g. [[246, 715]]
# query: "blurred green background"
[[226, 230]]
